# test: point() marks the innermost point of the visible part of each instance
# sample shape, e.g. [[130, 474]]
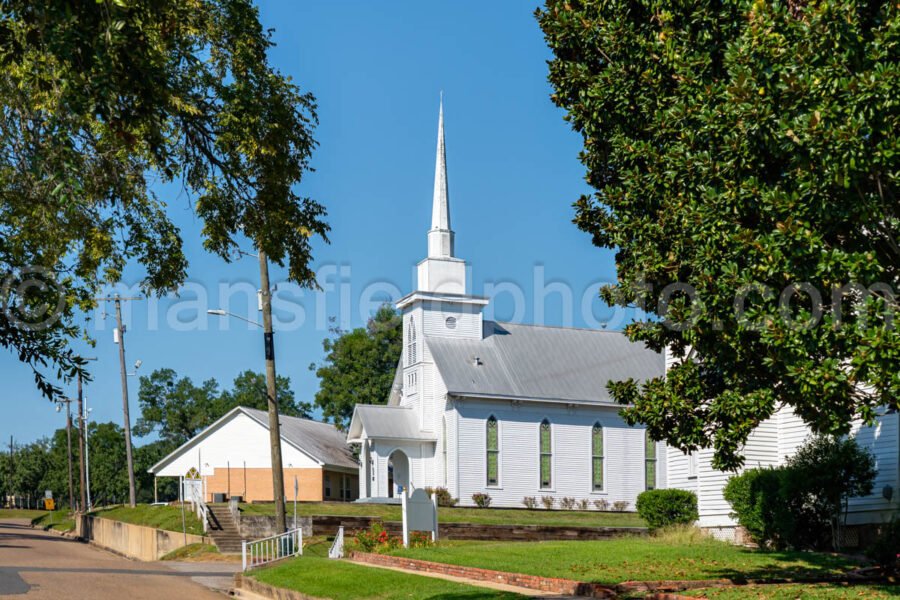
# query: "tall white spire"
[[440, 237]]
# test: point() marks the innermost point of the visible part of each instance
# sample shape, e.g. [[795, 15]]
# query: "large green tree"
[[101, 99], [359, 366], [745, 160], [177, 409]]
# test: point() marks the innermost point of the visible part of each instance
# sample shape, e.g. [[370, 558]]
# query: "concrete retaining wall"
[[133, 541]]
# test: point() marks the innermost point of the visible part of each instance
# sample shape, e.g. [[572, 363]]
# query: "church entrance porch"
[[398, 473]]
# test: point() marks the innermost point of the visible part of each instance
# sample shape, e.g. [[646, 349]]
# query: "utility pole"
[[124, 374], [68, 403], [82, 476], [271, 391], [12, 472]]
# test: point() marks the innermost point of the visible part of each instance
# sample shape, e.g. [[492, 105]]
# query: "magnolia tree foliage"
[[101, 100], [745, 160]]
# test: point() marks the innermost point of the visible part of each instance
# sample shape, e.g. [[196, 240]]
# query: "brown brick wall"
[[255, 485]]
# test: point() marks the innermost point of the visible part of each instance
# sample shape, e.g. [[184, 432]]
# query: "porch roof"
[[385, 422]]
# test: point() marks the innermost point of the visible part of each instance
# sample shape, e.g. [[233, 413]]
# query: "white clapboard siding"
[[468, 320], [771, 444], [571, 438]]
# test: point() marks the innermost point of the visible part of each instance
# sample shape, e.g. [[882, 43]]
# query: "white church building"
[[505, 409]]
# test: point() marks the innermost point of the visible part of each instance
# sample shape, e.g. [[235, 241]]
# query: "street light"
[[218, 312]]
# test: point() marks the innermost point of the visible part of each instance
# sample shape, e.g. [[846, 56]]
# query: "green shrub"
[[443, 496], [802, 504], [886, 549], [481, 500], [755, 498], [664, 508]]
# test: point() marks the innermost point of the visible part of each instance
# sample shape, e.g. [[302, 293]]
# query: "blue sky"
[[376, 69]]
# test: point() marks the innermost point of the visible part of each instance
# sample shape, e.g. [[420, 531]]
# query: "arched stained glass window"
[[597, 457], [493, 451], [546, 446]]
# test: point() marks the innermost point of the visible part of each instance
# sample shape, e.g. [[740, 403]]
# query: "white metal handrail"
[[199, 507], [337, 547], [256, 553]]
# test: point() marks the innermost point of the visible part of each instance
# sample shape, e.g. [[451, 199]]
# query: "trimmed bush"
[[584, 504], [664, 508], [481, 500], [567, 503], [620, 505], [530, 502], [443, 496], [755, 497], [602, 504], [548, 501]]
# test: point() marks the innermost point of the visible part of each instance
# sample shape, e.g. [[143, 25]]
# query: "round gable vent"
[[450, 322]]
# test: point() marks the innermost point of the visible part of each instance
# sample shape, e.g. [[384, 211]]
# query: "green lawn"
[[20, 513], [314, 574], [800, 592], [161, 517], [492, 516], [632, 559], [60, 520]]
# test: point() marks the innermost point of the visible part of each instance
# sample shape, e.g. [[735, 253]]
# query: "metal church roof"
[[530, 362]]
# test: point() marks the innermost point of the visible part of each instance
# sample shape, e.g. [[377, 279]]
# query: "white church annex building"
[[509, 410]]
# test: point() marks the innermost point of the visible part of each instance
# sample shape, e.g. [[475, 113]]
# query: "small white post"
[[403, 503], [434, 533], [244, 555]]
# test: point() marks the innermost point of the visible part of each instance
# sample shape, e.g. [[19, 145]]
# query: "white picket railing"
[[337, 547], [256, 553]]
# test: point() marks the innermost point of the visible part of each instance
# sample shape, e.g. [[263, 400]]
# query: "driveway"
[[38, 564]]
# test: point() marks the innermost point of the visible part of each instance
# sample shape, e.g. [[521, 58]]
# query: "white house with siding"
[[509, 410], [773, 442]]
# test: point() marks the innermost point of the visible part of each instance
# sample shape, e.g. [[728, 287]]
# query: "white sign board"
[[419, 514]]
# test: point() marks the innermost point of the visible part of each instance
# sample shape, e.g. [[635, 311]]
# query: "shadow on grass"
[[791, 565]]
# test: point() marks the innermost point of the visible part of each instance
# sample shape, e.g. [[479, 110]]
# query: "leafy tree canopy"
[[177, 409], [101, 99], [359, 366], [741, 148]]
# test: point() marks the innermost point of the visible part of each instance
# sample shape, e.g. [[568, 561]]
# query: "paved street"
[[41, 565]]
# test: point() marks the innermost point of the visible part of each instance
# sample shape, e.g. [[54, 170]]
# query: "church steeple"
[[440, 236]]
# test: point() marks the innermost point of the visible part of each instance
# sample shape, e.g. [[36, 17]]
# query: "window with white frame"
[[545, 442], [493, 451], [649, 462], [693, 463], [597, 457]]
